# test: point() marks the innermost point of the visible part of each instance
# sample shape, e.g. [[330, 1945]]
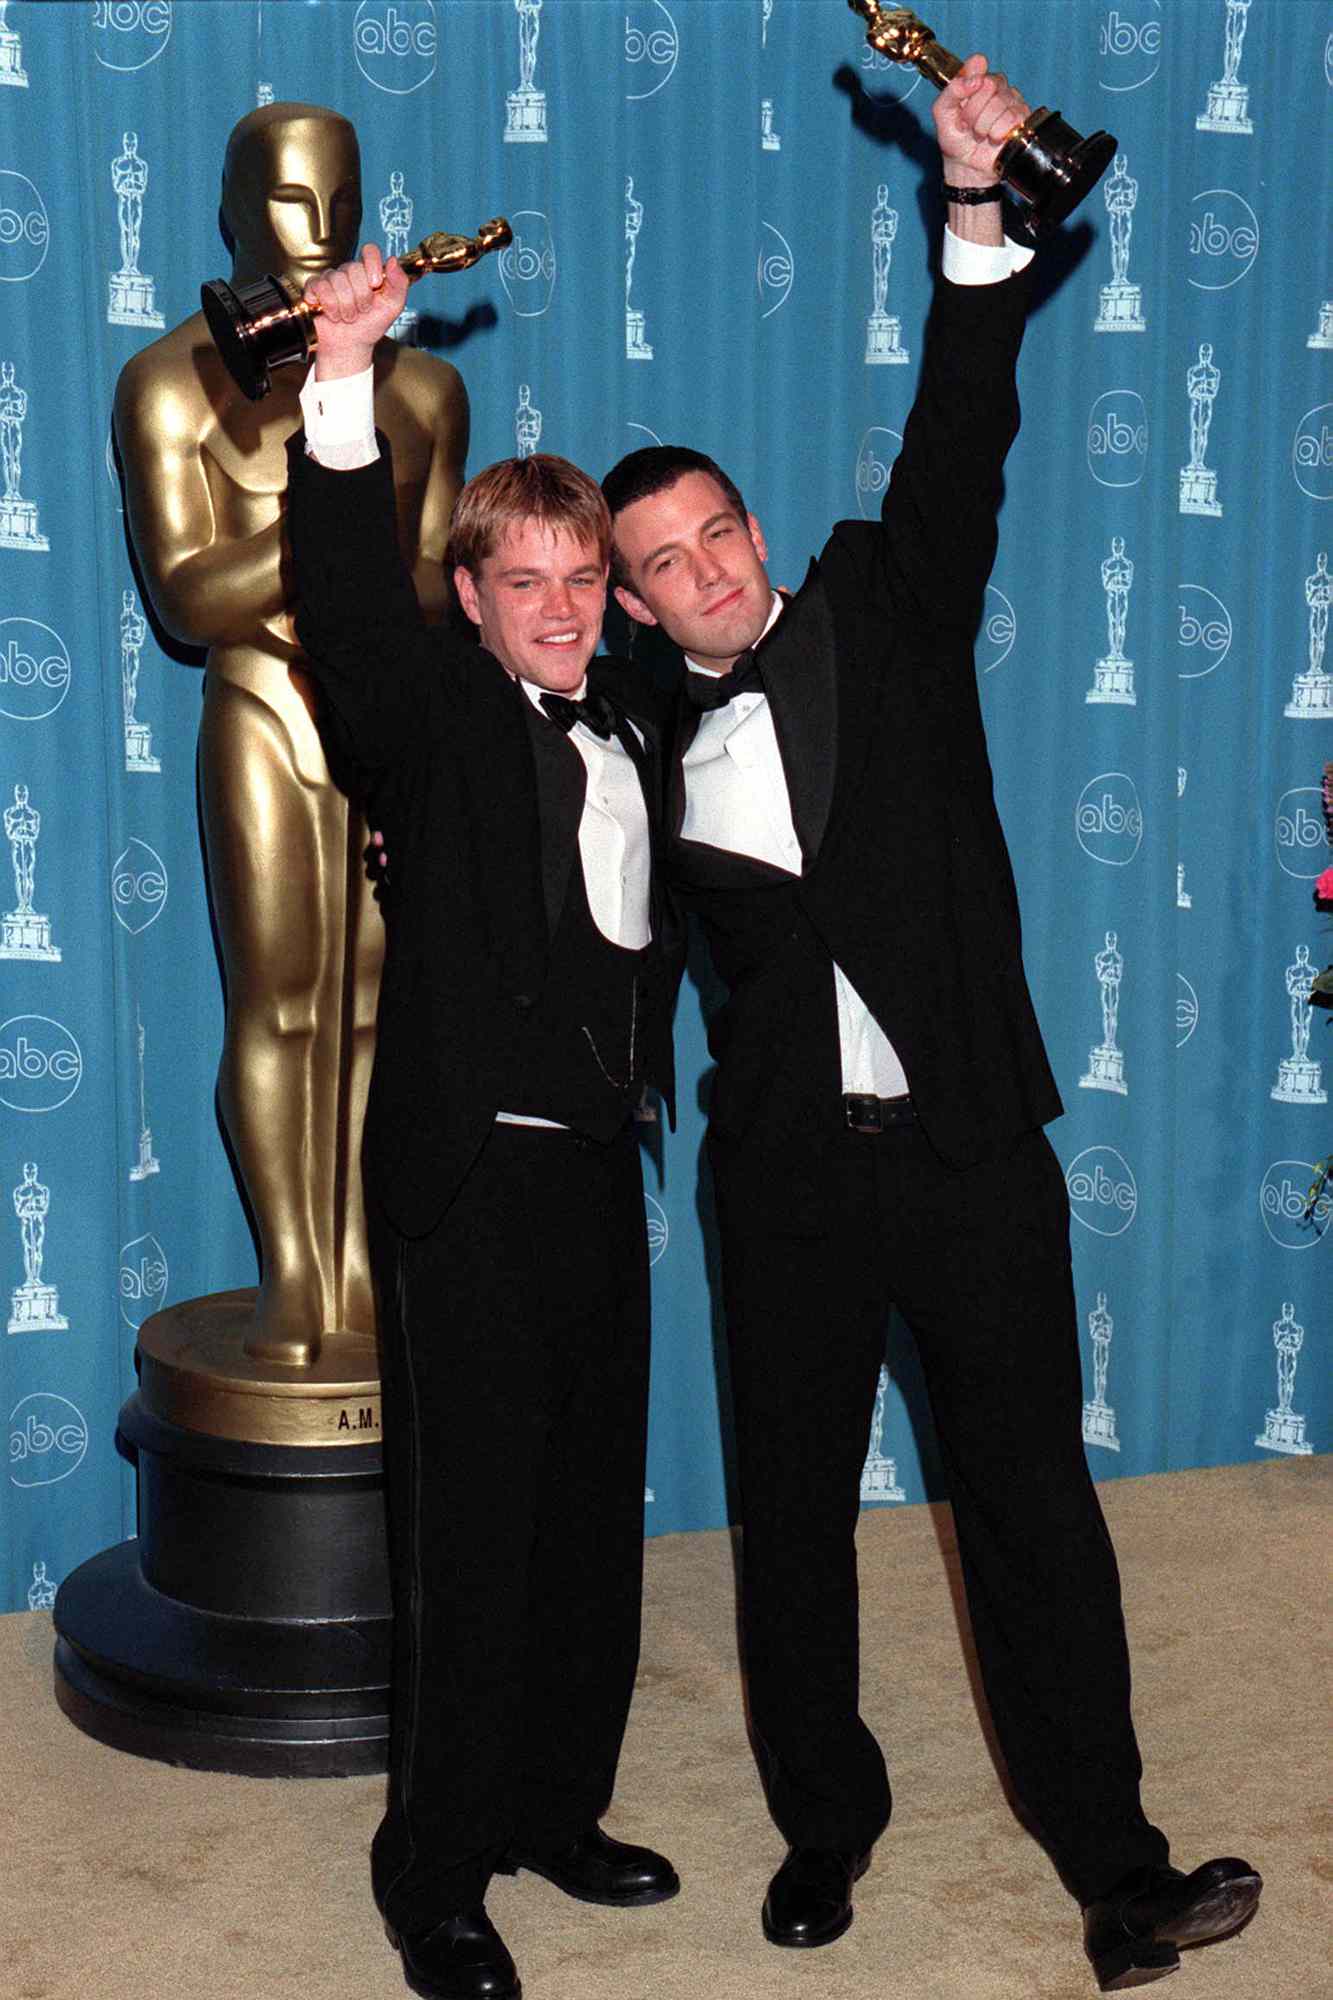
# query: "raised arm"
[[939, 510], [357, 615]]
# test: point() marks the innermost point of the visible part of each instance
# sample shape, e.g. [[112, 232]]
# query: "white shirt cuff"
[[981, 263], [340, 420]]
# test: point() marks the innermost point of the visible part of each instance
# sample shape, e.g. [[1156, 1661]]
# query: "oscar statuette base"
[[247, 1628]]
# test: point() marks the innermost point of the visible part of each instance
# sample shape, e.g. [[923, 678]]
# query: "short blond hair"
[[541, 488]]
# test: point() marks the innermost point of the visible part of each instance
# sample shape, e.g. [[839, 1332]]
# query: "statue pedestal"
[[27, 935], [132, 301], [1284, 1431], [1298, 1083], [1121, 310], [139, 748], [879, 1480], [1113, 681], [1099, 1426], [1323, 334], [406, 329], [18, 526], [1311, 698], [146, 1164], [525, 117], [247, 1628], [36, 1309], [1228, 109], [883, 335], [1198, 491], [1106, 1071], [11, 60], [636, 347]]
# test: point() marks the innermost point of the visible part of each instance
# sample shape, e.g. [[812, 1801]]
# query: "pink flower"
[[1323, 888]]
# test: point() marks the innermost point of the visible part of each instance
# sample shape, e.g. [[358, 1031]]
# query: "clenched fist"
[[358, 304]]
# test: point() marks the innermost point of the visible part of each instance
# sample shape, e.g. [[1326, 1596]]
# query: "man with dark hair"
[[525, 1005], [875, 1130]]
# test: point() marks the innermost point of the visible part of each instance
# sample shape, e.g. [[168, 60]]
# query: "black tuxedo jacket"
[[907, 883], [479, 801]]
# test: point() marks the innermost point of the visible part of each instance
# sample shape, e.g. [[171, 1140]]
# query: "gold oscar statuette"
[[267, 323], [1043, 161]]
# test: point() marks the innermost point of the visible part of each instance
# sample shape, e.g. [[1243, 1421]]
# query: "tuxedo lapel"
[[796, 663], [561, 784]]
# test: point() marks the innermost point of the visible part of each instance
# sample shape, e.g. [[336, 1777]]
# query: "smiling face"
[[537, 601], [696, 568]]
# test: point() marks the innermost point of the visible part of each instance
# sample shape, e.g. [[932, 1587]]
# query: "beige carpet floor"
[[127, 1880]]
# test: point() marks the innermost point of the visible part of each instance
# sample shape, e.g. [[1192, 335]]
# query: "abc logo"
[[1108, 819], [999, 628], [872, 472], [143, 1280], [1187, 1010], [777, 268], [527, 265], [41, 1064], [25, 233], [1129, 43], [891, 79], [47, 1440], [1102, 1194], [34, 669], [1224, 239], [659, 1232], [1282, 1203], [1204, 632], [1118, 438], [396, 43], [652, 47], [138, 887], [1312, 453], [129, 34], [1298, 833]]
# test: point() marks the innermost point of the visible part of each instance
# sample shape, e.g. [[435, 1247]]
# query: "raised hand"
[[973, 115], [358, 304]]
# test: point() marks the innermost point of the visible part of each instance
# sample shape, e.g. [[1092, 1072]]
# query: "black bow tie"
[[595, 712], [709, 691]]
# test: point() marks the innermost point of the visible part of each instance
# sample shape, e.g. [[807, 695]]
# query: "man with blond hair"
[[524, 1007]]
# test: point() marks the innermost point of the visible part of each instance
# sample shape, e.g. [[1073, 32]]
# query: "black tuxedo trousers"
[[977, 1261], [514, 1362]]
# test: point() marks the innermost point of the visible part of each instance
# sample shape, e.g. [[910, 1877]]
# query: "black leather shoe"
[[809, 1900], [1137, 1932], [596, 1869], [460, 1958]]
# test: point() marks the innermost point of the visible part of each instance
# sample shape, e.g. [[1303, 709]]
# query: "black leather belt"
[[876, 1114]]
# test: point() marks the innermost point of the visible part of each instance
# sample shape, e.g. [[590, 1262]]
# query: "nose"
[[558, 601], [707, 569], [322, 219]]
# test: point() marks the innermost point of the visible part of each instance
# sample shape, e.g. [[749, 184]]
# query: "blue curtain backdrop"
[[1150, 662]]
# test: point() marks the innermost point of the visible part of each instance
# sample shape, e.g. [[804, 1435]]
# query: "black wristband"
[[973, 197]]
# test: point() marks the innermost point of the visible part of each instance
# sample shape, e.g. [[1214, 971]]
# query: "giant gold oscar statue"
[[256, 1424]]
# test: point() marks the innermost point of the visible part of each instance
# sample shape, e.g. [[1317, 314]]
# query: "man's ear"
[[633, 606], [757, 537], [466, 590]]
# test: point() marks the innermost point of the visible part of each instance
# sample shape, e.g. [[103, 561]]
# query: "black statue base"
[[248, 1628]]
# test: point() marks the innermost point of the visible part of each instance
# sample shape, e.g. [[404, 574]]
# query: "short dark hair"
[[653, 470]]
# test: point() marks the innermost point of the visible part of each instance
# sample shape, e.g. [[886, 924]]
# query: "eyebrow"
[[722, 514]]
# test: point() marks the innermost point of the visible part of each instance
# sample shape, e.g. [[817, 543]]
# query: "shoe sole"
[[424, 1986], [1214, 1917], [638, 1899], [1217, 1916]]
